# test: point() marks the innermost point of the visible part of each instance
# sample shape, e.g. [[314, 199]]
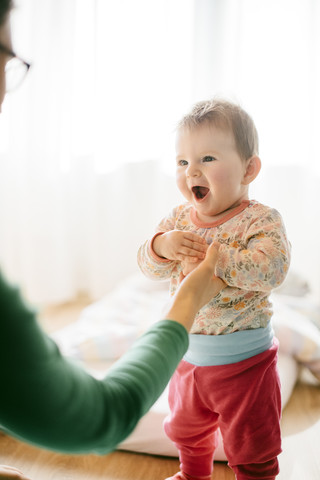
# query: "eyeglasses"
[[16, 69]]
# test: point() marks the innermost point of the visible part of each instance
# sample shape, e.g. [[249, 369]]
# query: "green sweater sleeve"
[[51, 402]]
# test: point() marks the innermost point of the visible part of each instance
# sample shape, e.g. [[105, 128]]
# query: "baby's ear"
[[253, 167]]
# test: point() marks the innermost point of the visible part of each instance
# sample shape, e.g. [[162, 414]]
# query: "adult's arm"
[[50, 401]]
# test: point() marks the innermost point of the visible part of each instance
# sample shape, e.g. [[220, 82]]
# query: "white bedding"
[[107, 328]]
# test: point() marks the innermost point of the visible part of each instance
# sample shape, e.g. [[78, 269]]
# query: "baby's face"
[[210, 172]]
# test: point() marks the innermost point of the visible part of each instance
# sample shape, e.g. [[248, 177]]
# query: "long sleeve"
[[150, 263], [49, 401], [261, 260]]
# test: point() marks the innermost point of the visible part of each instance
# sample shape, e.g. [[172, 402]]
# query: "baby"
[[228, 379]]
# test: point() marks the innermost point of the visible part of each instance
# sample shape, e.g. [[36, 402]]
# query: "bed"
[[108, 327]]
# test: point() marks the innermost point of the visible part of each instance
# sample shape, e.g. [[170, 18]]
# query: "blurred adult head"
[[13, 69], [5, 43]]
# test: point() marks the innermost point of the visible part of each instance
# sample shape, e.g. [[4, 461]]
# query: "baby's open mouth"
[[200, 192]]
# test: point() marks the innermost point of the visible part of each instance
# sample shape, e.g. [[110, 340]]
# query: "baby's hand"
[[180, 245]]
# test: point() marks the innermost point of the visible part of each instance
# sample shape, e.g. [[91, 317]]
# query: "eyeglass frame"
[[12, 55]]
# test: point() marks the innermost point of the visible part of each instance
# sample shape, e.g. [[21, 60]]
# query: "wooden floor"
[[300, 459]]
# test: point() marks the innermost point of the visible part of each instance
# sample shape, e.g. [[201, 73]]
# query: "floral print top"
[[254, 258]]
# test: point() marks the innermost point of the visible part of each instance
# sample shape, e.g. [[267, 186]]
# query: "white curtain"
[[80, 140], [265, 54], [86, 150]]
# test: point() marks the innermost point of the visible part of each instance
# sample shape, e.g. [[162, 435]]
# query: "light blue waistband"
[[208, 350]]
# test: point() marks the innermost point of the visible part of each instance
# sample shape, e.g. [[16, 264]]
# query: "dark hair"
[[225, 114], [5, 7]]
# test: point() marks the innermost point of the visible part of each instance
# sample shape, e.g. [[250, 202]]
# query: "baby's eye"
[[182, 163], [208, 158]]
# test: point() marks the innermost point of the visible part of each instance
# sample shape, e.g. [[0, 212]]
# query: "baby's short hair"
[[225, 114]]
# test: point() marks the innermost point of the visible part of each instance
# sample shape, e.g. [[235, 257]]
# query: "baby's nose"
[[193, 171]]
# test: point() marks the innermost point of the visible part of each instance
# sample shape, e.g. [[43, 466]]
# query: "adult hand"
[[188, 267], [180, 245], [196, 290], [11, 473]]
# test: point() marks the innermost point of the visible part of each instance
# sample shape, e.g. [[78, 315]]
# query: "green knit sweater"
[[49, 401]]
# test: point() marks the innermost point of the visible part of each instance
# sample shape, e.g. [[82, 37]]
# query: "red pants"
[[243, 400]]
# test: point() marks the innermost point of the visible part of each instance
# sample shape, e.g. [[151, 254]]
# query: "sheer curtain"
[[86, 151], [80, 181], [266, 55]]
